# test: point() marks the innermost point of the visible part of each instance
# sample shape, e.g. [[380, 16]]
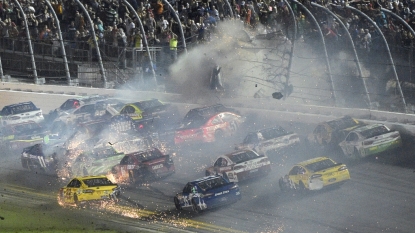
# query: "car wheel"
[[219, 134], [207, 173], [177, 203], [131, 177], [225, 176], [61, 199], [195, 207], [283, 186], [356, 153], [85, 171], [75, 200], [301, 187]]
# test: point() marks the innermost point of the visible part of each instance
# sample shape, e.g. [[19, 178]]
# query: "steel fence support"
[[387, 48], [333, 94], [230, 8], [292, 47], [144, 37], [29, 41], [94, 38], [349, 37], [65, 60]]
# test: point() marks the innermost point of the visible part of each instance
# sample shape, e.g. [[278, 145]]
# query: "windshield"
[[320, 165]]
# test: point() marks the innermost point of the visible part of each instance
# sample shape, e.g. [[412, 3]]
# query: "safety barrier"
[[49, 97]]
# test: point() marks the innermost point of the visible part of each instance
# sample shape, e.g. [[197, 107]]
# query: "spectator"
[[32, 24], [122, 38], [163, 24], [71, 31], [79, 20], [56, 46], [45, 33], [130, 27], [158, 9]]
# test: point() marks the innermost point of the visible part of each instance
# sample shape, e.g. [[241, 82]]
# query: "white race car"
[[370, 139], [20, 113]]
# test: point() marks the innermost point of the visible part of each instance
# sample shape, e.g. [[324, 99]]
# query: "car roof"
[[313, 160], [90, 177], [342, 123], [143, 103], [204, 179], [366, 127], [17, 104]]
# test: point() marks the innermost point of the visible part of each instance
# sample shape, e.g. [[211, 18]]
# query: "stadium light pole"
[[144, 37], [387, 48], [333, 94], [29, 42], [65, 60], [292, 47], [349, 37], [94, 38], [179, 22]]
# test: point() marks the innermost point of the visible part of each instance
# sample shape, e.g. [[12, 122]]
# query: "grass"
[[44, 219]]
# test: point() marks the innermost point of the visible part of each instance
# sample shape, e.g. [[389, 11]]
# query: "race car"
[[147, 109], [142, 166], [85, 189], [207, 192], [369, 140], [99, 110], [207, 128], [98, 161], [240, 165], [19, 136], [314, 174], [208, 110], [330, 133], [40, 157], [20, 113], [72, 104], [269, 139]]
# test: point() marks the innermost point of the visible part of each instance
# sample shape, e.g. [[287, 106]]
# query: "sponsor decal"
[[158, 166], [224, 192]]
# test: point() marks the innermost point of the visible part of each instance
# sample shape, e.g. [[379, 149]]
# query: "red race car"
[[143, 166], [207, 126]]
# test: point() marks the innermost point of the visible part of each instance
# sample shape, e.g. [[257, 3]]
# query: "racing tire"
[[177, 203], [75, 200], [219, 135], [195, 207], [301, 187], [131, 178], [356, 153], [61, 199], [283, 186], [225, 176], [84, 171]]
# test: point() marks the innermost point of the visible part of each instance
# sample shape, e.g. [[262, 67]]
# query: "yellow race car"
[[86, 189], [144, 109], [314, 174]]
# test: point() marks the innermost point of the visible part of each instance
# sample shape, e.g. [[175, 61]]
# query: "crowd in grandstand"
[[115, 24]]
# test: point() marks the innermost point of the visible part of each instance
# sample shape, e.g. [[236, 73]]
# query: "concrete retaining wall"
[[49, 97]]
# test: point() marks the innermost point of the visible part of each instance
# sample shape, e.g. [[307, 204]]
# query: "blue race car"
[[207, 192]]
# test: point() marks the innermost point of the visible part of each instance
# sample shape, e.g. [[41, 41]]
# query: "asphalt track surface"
[[378, 198]]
